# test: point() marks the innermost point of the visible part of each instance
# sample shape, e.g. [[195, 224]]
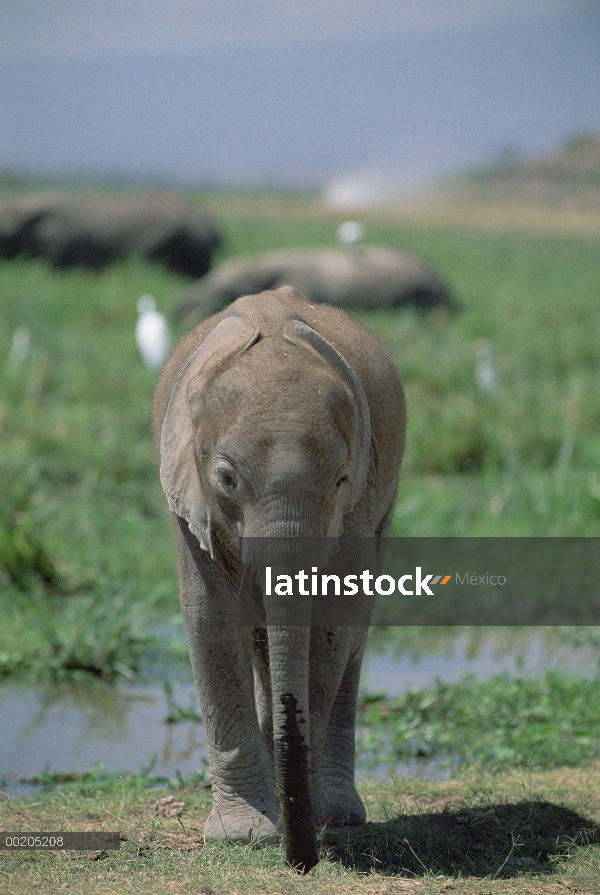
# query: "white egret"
[[350, 233], [485, 369], [151, 332], [20, 345]]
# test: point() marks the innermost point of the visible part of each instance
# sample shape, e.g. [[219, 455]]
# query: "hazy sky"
[[36, 29], [260, 91]]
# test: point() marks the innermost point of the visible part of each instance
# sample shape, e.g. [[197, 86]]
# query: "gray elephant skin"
[[88, 230], [275, 419], [368, 277]]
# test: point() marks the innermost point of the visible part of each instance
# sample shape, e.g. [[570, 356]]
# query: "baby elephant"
[[275, 419], [366, 276]]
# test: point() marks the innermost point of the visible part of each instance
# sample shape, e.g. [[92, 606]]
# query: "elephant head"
[[267, 435]]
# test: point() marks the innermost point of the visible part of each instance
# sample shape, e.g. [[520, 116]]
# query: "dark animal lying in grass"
[[92, 231], [365, 276]]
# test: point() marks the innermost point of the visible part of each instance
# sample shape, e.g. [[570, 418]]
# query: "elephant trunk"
[[288, 659], [285, 547]]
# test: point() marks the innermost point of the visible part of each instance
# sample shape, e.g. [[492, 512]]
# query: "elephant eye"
[[342, 480], [226, 476]]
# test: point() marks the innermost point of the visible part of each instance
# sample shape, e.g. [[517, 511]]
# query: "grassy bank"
[[86, 565], [522, 815], [501, 721], [518, 831]]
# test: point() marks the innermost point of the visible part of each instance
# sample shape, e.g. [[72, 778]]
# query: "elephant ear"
[[304, 336], [179, 474]]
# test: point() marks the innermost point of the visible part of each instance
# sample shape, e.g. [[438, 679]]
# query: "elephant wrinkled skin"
[[277, 419], [367, 276], [83, 230]]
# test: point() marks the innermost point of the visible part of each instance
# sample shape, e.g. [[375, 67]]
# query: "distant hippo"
[[90, 230], [363, 275]]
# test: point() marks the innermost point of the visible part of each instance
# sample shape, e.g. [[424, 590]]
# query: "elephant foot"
[[343, 807], [242, 823]]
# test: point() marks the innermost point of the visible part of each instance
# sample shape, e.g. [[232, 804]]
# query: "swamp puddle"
[[72, 726]]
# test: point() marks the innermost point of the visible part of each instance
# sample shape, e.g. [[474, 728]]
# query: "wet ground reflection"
[[72, 726]]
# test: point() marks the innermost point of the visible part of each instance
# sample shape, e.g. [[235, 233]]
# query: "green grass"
[[519, 831], [83, 532], [84, 536], [546, 722]]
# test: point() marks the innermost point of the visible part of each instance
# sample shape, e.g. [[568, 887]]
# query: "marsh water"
[[73, 726]]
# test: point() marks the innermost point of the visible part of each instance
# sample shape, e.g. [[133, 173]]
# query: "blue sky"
[[34, 29], [282, 92]]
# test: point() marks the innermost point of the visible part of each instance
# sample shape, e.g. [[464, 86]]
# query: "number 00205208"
[[24, 841]]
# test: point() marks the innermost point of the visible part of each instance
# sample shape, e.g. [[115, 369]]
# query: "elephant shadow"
[[498, 840]]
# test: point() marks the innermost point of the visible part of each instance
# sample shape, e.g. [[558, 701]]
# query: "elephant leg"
[[342, 804], [244, 803], [336, 654]]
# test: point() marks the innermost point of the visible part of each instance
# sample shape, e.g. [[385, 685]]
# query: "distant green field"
[[85, 547]]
